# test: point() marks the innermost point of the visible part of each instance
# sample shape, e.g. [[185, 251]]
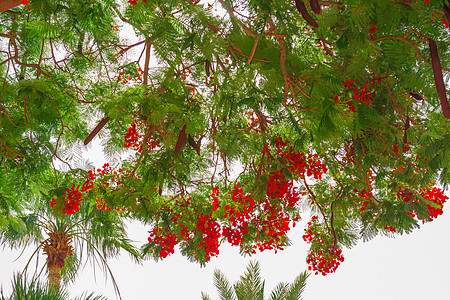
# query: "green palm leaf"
[[205, 296], [297, 287], [279, 292], [251, 287], [223, 286]]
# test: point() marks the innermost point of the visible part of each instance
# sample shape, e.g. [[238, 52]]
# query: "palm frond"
[[71, 266], [91, 296], [24, 290], [297, 287], [223, 286], [250, 285], [205, 296], [279, 292]]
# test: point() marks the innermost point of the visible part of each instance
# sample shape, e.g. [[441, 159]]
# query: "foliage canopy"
[[255, 113]]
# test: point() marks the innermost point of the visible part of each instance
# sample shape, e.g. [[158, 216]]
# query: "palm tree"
[[68, 241], [34, 290], [250, 286]]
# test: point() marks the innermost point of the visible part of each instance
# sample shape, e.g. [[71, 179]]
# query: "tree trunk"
[[8, 4], [54, 277]]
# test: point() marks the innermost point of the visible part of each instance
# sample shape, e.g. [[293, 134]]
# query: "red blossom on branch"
[[71, 204]]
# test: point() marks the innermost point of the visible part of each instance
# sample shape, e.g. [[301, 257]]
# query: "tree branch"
[[8, 4]]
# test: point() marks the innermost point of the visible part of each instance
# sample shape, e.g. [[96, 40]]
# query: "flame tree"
[[257, 114]]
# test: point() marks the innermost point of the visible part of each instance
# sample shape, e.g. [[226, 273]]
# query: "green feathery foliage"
[[225, 122]]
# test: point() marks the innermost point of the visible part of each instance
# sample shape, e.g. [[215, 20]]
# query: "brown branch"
[[394, 102], [315, 202], [439, 78], [315, 6], [222, 66], [299, 88], [20, 155], [248, 56], [392, 150], [255, 44], [94, 132], [293, 93], [25, 111], [40, 57], [275, 34], [234, 55], [282, 61], [230, 12], [412, 43], [6, 60], [148, 46], [305, 14], [332, 228], [8, 4], [128, 48]]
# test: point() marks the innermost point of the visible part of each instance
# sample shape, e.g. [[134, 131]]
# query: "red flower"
[[72, 201]]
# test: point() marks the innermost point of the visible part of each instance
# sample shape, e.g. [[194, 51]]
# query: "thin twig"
[[255, 44]]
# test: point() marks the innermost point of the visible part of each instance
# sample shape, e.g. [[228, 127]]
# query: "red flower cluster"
[[434, 195], [278, 186], [365, 195], [135, 140], [205, 225], [267, 220], [89, 183], [359, 93], [390, 228], [253, 123], [130, 75], [324, 262], [239, 215], [101, 204], [326, 48], [215, 197], [282, 195], [372, 30], [362, 95], [321, 258], [310, 233], [210, 230], [165, 239], [297, 163], [134, 2], [104, 177], [315, 167], [132, 137], [272, 226], [72, 201]]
